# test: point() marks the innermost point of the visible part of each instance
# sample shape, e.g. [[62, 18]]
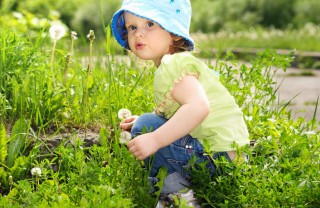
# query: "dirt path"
[[305, 88]]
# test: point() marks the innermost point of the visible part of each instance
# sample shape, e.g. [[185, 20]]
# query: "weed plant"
[[284, 162]]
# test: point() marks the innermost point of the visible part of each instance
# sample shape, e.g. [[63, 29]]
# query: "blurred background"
[[208, 15]]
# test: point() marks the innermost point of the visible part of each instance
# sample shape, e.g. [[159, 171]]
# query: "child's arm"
[[194, 109]]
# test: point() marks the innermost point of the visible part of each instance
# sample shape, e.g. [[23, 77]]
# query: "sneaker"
[[160, 204], [186, 197]]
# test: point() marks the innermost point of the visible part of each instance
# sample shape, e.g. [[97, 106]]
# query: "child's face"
[[147, 39]]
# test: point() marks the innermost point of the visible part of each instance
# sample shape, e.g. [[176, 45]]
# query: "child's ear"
[[176, 38]]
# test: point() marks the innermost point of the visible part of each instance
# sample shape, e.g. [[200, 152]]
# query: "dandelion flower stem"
[[68, 57], [65, 74], [51, 62], [91, 37], [89, 70]]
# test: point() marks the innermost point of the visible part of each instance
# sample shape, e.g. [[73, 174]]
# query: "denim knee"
[[147, 122]]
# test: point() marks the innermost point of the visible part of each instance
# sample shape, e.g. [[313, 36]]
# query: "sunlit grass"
[[284, 162]]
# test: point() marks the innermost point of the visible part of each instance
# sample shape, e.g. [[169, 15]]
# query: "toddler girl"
[[193, 107]]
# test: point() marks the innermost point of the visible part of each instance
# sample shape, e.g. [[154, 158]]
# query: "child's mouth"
[[139, 46]]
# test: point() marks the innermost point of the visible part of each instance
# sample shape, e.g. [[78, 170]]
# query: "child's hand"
[[143, 146], [127, 123]]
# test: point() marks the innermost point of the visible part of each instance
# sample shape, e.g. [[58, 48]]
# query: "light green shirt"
[[224, 125]]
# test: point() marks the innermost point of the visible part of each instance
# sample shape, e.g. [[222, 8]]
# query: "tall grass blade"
[[17, 140], [3, 144], [106, 29], [314, 118]]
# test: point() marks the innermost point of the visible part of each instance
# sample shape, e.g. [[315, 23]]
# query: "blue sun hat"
[[172, 15]]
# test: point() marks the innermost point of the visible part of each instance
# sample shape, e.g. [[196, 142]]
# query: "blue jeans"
[[175, 157]]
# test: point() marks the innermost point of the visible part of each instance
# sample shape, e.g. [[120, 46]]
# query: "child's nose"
[[139, 32]]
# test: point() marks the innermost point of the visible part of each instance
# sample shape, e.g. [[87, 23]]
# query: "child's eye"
[[131, 27], [149, 24]]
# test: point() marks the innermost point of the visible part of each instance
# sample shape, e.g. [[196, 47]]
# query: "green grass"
[[283, 170]]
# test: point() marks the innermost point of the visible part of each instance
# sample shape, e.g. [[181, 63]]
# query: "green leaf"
[[104, 135], [161, 176], [3, 144], [17, 140]]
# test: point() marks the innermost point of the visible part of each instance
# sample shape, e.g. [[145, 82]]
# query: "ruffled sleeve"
[[171, 71]]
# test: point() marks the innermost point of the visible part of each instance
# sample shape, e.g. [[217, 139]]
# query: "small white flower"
[[272, 120], [36, 171], [66, 114], [248, 118], [72, 92], [125, 137], [110, 189], [57, 32], [124, 113], [294, 130], [308, 133]]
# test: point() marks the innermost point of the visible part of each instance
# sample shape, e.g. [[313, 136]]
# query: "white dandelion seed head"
[[74, 35], [91, 35], [36, 171], [57, 32], [125, 137], [124, 113], [17, 15]]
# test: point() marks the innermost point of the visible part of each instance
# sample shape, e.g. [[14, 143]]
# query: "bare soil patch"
[[303, 91]]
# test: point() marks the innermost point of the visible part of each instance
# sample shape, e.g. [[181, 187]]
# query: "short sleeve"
[[172, 69], [177, 67]]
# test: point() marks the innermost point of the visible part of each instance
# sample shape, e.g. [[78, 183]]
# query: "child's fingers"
[[125, 126], [131, 118], [127, 123], [128, 120]]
